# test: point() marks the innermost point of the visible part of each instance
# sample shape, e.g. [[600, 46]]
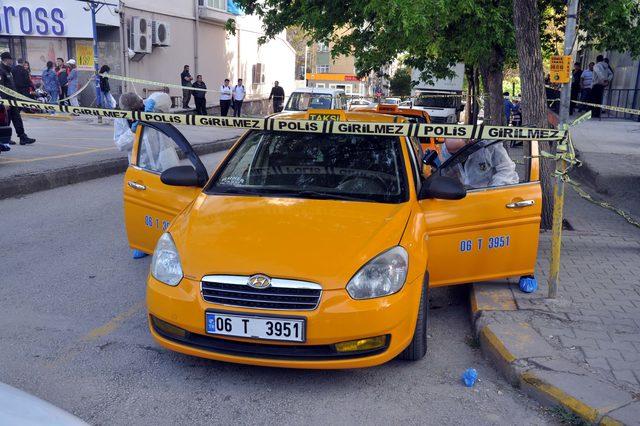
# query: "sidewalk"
[[610, 152], [582, 350], [78, 149]]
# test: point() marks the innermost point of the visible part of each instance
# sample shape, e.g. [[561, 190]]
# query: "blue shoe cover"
[[528, 284], [137, 254], [469, 377]]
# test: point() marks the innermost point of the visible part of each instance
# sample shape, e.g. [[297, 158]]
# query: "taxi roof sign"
[[326, 115], [387, 108]]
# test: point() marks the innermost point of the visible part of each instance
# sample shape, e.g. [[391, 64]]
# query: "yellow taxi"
[[310, 250]]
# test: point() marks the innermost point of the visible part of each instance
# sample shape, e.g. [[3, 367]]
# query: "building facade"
[[150, 41], [338, 73]]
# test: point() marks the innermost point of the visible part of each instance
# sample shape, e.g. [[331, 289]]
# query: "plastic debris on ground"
[[469, 377], [528, 284]]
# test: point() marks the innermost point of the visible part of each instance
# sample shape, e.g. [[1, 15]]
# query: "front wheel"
[[418, 346]]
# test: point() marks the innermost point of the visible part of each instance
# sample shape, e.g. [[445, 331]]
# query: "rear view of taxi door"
[[491, 233], [149, 204]]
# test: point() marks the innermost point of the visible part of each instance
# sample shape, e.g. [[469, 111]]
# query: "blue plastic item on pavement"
[[528, 284], [469, 377], [137, 254]]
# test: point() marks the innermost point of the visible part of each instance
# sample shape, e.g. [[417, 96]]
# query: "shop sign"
[[44, 18]]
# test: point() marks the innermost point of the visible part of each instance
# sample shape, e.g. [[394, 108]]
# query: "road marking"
[[70, 352], [112, 325], [50, 157]]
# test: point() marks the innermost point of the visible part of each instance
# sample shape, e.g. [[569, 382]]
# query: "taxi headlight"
[[165, 265], [383, 275]]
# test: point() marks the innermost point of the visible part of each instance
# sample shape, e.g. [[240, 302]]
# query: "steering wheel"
[[363, 185]]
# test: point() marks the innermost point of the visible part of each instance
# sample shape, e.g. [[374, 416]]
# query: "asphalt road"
[[74, 333]]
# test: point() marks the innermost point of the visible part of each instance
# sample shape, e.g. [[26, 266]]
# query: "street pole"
[[94, 10], [561, 148], [306, 52]]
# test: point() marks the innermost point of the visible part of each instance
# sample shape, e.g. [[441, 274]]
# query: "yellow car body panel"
[[325, 242]]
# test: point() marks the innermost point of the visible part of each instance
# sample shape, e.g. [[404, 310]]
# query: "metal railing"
[[624, 98]]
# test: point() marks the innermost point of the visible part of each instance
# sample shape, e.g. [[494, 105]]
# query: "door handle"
[[136, 185], [520, 204]]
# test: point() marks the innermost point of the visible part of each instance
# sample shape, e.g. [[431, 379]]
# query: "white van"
[[307, 98]]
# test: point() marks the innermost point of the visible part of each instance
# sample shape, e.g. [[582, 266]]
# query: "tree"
[[434, 34], [534, 107], [400, 83]]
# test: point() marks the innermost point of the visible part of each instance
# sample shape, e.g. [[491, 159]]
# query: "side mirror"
[[180, 176], [430, 158], [443, 188]]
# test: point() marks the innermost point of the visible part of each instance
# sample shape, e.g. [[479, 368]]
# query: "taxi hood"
[[321, 241]]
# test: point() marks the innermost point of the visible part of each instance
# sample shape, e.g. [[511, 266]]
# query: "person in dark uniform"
[[6, 80], [575, 85], [277, 94]]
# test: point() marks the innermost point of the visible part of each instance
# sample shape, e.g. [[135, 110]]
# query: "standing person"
[[22, 79], [199, 96], [63, 81], [508, 106], [602, 75], [575, 85], [238, 97], [59, 63], [72, 82], [50, 83], [185, 81], [586, 80], [6, 80], [225, 98], [105, 89], [277, 94], [606, 61]]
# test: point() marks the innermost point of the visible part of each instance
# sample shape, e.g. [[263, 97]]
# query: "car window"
[[303, 101], [157, 152], [306, 165], [483, 164]]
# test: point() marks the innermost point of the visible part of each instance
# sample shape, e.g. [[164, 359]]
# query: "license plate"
[[267, 328]]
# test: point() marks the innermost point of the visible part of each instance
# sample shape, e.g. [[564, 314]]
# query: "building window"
[[217, 4], [321, 69], [322, 47]]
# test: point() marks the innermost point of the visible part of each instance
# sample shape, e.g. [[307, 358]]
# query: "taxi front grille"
[[438, 120], [282, 294]]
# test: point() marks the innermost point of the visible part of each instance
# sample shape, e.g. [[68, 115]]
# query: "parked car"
[[307, 98]]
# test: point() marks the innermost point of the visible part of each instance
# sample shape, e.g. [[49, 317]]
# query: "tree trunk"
[[468, 107], [526, 21], [492, 74]]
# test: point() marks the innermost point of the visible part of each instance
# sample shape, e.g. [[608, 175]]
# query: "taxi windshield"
[[307, 165], [303, 101]]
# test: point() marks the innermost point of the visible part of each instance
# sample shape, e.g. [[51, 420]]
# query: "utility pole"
[[94, 6], [561, 166]]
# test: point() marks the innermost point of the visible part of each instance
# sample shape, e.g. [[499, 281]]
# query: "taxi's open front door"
[[492, 233], [149, 204]]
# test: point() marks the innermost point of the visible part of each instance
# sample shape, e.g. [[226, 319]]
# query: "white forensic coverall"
[[157, 152], [487, 167]]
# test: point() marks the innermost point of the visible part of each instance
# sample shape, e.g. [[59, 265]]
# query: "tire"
[[417, 349]]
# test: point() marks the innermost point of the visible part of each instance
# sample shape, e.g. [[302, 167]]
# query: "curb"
[[530, 363], [29, 183]]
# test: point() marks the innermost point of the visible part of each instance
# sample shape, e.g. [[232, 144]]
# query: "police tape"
[[601, 106], [462, 131]]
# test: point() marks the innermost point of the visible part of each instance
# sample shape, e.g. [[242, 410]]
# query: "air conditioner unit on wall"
[[140, 35], [161, 33]]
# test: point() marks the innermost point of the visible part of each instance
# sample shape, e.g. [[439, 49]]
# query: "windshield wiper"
[[326, 195], [233, 190]]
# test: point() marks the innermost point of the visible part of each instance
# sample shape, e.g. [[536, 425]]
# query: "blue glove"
[[134, 126], [149, 105]]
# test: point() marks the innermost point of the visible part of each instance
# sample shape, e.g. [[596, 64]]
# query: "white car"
[[307, 98], [360, 103], [391, 101]]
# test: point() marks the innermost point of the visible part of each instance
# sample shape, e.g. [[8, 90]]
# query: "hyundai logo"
[[259, 281]]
